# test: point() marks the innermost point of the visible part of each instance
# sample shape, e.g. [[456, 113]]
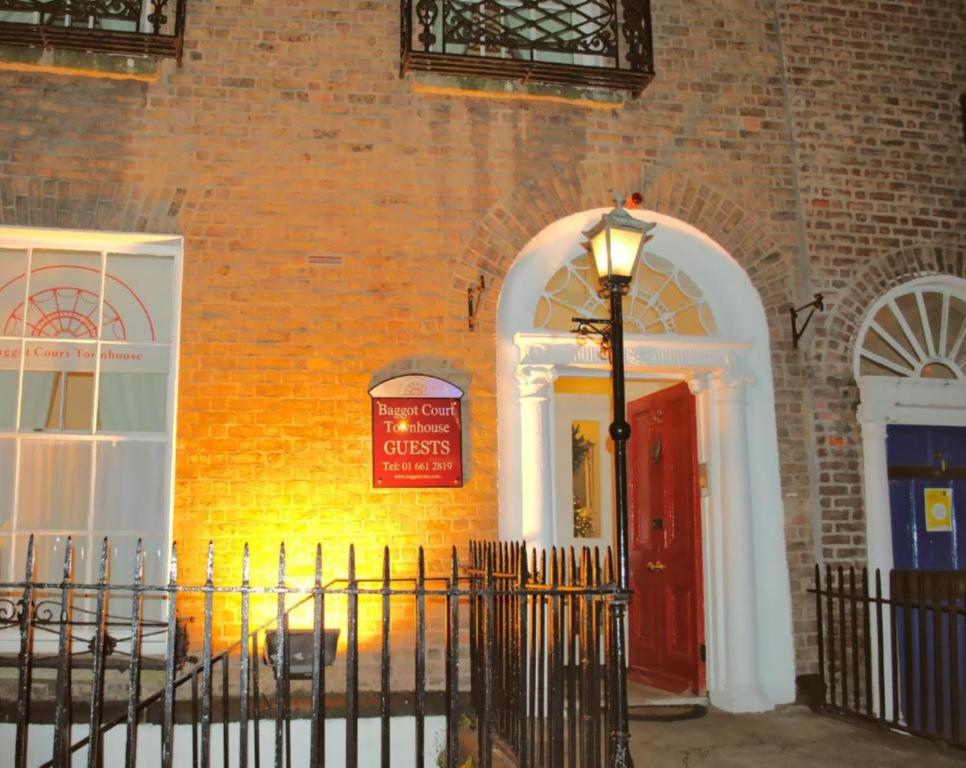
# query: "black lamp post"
[[616, 243]]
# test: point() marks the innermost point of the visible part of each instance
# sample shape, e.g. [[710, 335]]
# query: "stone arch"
[[519, 243], [835, 335], [165, 207], [536, 203], [838, 435]]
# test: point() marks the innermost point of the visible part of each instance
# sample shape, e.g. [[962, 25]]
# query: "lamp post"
[[616, 243]]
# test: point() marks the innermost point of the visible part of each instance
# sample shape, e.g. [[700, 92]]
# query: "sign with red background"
[[416, 440]]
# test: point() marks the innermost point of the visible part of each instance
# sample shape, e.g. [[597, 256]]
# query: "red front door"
[[666, 613]]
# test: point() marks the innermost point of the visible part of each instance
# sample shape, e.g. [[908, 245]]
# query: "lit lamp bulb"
[[616, 242]]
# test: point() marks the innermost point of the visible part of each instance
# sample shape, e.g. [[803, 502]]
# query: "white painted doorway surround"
[[748, 628], [904, 398], [908, 397]]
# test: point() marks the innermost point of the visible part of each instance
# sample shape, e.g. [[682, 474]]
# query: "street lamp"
[[616, 243]]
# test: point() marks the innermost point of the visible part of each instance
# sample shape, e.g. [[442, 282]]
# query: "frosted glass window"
[[55, 486], [88, 346], [13, 284], [139, 291], [6, 564], [123, 551], [64, 295], [50, 551], [130, 483], [134, 389], [58, 387], [9, 381], [8, 458]]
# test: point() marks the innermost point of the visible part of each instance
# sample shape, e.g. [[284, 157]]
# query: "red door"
[[666, 614]]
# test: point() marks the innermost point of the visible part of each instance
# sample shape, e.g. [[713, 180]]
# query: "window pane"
[[6, 564], [65, 291], [8, 463], [585, 442], [9, 380], [130, 488], [55, 482], [13, 268], [134, 389], [49, 557], [138, 292], [58, 387], [123, 550]]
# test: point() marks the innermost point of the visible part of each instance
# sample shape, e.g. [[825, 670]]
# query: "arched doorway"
[[695, 318], [909, 361]]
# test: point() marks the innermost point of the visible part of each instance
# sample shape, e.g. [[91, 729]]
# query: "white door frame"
[[886, 400], [746, 584]]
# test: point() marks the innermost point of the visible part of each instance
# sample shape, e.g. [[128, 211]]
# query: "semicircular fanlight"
[[662, 299], [915, 331]]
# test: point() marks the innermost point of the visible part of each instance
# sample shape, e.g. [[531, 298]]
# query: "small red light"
[[637, 198]]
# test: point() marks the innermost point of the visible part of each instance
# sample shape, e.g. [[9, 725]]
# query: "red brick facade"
[[819, 142]]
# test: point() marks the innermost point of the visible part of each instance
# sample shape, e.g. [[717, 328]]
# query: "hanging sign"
[[417, 433], [939, 509]]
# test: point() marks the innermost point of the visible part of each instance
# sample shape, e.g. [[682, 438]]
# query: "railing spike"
[[68, 559], [210, 564], [134, 659], [318, 565], [173, 564], [31, 556], [281, 564], [94, 755]]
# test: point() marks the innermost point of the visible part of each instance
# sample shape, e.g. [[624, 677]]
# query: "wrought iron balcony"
[[597, 43], [129, 27]]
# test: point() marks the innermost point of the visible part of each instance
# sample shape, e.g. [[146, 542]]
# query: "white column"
[[878, 531], [875, 477], [536, 459], [742, 690]]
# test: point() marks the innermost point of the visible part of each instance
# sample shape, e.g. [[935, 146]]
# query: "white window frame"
[[31, 239]]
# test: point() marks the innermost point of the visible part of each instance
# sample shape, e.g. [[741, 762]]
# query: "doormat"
[[666, 712]]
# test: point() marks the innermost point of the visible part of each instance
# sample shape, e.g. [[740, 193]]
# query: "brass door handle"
[[655, 566]]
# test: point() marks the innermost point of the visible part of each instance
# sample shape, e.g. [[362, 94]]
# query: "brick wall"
[[874, 96], [288, 134]]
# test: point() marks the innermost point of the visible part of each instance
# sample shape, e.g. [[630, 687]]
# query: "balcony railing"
[[602, 43], [127, 27]]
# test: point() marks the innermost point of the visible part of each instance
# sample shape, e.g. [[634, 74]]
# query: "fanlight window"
[[662, 299], [915, 331]]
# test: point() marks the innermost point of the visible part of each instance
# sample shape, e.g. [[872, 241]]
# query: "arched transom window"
[[916, 330], [662, 299]]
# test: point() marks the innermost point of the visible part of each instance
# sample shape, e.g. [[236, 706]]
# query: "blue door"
[[927, 487]]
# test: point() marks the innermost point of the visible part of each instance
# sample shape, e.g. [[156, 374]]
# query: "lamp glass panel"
[[624, 245], [598, 245]]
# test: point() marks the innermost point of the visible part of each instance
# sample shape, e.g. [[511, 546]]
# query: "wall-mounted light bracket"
[[818, 303], [593, 326], [474, 296]]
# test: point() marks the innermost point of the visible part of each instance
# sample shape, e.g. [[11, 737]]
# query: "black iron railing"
[[519, 647], [898, 660], [604, 43], [129, 27]]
